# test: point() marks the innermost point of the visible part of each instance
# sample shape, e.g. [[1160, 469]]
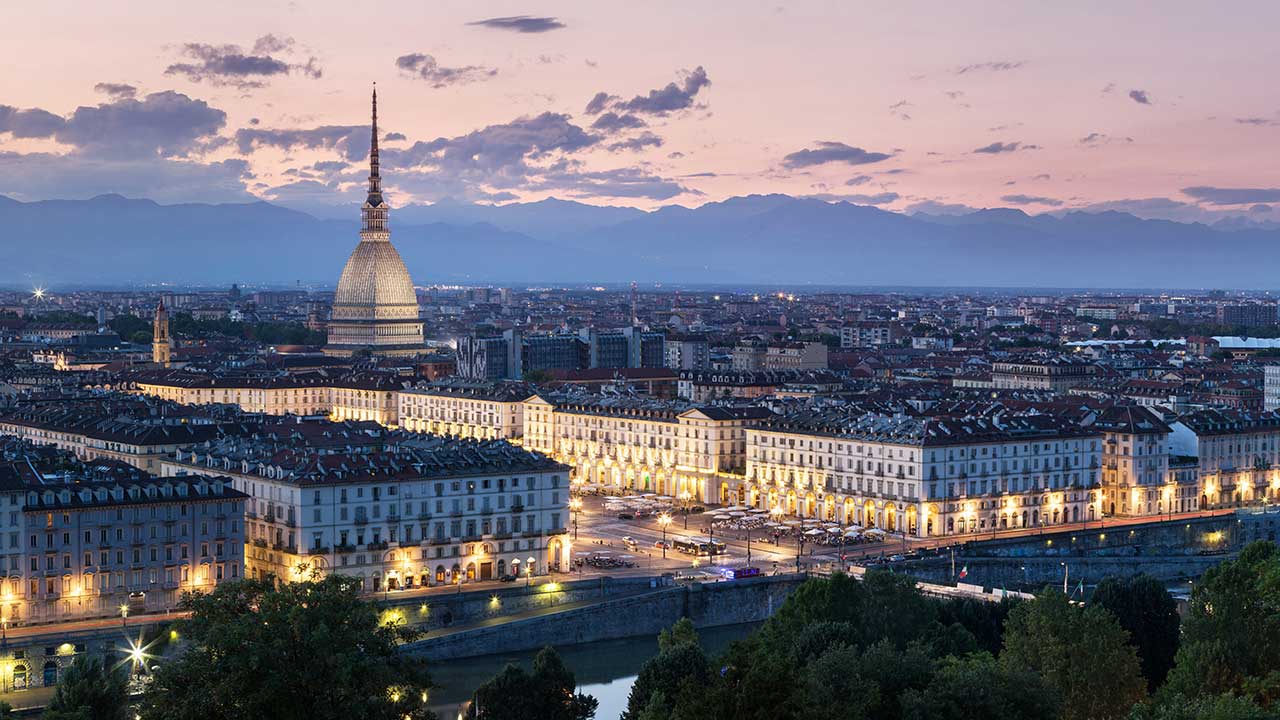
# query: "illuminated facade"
[[93, 548], [1237, 455], [1136, 480], [485, 410], [669, 448], [375, 307], [928, 477], [426, 512]]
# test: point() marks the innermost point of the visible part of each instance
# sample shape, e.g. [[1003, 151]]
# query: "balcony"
[[361, 520], [380, 545], [517, 508], [344, 548], [321, 550]]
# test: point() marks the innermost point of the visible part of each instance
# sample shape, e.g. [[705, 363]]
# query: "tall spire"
[[374, 212]]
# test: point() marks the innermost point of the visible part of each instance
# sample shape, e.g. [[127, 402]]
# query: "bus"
[[698, 548], [729, 573]]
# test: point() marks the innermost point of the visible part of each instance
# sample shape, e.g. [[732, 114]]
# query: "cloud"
[[232, 65], [165, 124], [1095, 138], [1109, 88], [393, 136], [997, 148], [1258, 121], [425, 67], [938, 207], [1041, 176], [1030, 200], [660, 102], [640, 142], [598, 103], [883, 198], [996, 66], [521, 24], [530, 154], [621, 182], [329, 166], [832, 152], [40, 176], [859, 180], [1140, 97], [352, 141], [1232, 196], [29, 123], [612, 122], [1260, 208], [116, 90]]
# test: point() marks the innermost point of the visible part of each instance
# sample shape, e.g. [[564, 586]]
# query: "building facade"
[[926, 477], [393, 515]]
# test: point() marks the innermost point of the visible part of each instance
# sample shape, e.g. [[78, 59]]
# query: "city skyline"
[[936, 109]]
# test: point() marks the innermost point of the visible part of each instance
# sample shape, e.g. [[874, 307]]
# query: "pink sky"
[[925, 84]]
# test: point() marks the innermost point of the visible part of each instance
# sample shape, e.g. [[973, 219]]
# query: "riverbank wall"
[[611, 618]]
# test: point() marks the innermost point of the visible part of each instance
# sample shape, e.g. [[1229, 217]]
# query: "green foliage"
[[1082, 653], [89, 691], [1210, 707], [682, 633], [547, 693], [537, 377], [679, 665], [1231, 633], [1149, 614], [302, 651], [977, 686], [271, 333]]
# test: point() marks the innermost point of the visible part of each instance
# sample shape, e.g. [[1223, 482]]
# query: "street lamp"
[[776, 513], [575, 506], [528, 571], [664, 520], [684, 502], [124, 615]]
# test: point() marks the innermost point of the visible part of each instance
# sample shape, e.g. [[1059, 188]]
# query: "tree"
[[682, 633], [89, 691], [1149, 614], [1211, 707], [1231, 632], [978, 687], [667, 674], [1080, 652], [308, 650], [546, 693]]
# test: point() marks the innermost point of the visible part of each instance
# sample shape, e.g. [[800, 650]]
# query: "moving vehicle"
[[698, 547], [739, 573]]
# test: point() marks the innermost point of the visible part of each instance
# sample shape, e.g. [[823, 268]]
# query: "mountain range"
[[757, 239]]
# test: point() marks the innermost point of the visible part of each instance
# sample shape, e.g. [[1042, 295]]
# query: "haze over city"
[[710, 361]]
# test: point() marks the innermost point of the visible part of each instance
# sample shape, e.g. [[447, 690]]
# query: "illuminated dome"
[[375, 285], [375, 307]]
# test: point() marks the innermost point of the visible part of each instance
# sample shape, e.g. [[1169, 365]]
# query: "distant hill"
[[753, 239]]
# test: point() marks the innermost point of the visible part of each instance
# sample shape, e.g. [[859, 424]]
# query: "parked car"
[[626, 516], [631, 543], [662, 544], [507, 578]]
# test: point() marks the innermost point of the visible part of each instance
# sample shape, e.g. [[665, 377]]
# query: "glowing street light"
[[664, 520], [38, 293], [124, 615], [575, 506]]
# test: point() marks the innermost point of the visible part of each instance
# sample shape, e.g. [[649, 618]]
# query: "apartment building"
[[394, 511], [465, 408], [1136, 480], [1045, 372], [924, 476], [620, 442], [1237, 454]]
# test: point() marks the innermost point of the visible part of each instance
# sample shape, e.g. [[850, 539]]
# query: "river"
[[603, 669]]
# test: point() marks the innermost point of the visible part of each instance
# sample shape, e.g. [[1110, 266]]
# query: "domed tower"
[[161, 345], [375, 307]]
